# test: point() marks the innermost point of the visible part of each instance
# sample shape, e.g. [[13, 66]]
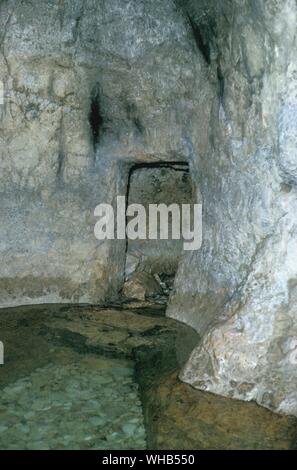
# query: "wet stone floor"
[[106, 378], [60, 393], [71, 379], [73, 402]]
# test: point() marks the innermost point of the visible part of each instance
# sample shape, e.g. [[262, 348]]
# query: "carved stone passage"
[[91, 89]]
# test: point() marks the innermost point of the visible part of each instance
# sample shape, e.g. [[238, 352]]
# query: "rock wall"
[[93, 87], [243, 280]]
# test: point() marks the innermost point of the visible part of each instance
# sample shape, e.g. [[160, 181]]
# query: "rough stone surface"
[[185, 418], [91, 88], [75, 402], [239, 290], [94, 87], [77, 390], [141, 286], [69, 379]]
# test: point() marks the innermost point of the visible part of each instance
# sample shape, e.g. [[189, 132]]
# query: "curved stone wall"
[[90, 89]]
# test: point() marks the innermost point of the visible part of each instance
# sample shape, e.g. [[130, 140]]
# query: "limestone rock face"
[[92, 88], [190, 419], [141, 286], [239, 291]]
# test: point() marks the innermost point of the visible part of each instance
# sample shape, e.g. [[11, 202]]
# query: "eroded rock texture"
[[94, 87], [243, 281], [91, 88], [190, 419]]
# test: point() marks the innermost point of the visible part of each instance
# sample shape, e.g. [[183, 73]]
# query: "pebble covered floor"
[[92, 403]]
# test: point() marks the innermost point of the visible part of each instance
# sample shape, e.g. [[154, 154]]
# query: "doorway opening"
[[151, 265]]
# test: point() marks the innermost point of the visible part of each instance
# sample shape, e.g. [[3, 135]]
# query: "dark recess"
[[61, 159], [95, 118], [221, 83], [202, 45], [174, 165]]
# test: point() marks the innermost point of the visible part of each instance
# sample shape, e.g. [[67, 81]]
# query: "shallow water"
[[70, 381], [73, 402]]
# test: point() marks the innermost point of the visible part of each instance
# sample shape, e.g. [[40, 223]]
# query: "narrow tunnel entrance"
[[151, 264]]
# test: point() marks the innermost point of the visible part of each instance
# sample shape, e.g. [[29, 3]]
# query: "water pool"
[[74, 402]]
